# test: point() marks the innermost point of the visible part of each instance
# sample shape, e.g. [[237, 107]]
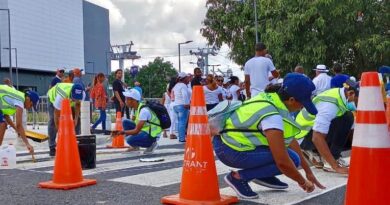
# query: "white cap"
[[321, 68], [132, 93], [182, 75], [225, 80]]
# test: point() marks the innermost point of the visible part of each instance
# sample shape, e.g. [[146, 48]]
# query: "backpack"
[[220, 113], [161, 113]]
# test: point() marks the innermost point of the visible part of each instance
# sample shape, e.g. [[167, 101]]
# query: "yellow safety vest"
[[6, 91], [151, 126], [62, 89], [306, 120], [241, 131]]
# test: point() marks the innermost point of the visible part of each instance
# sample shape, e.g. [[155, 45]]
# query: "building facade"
[[51, 34]]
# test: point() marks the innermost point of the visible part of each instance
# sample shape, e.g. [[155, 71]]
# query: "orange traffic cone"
[[67, 167], [118, 141], [370, 159], [199, 183]]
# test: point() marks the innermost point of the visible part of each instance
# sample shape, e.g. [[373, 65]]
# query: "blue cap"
[[300, 87], [384, 69], [34, 97], [77, 92]]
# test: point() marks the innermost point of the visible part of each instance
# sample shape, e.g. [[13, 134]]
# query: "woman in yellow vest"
[[144, 131], [56, 94], [12, 102], [330, 128], [258, 138]]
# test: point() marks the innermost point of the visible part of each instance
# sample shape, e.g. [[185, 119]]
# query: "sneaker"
[[151, 149], [172, 137], [342, 163], [241, 187], [327, 167], [52, 152], [271, 182], [313, 158]]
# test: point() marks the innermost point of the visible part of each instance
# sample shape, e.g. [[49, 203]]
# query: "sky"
[[157, 26]]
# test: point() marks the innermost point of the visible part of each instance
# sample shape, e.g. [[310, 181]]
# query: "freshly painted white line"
[[164, 177]]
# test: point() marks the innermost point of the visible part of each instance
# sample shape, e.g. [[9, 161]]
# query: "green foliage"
[[304, 32], [153, 77]]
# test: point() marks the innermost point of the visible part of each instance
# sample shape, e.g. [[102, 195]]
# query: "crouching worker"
[[259, 139], [12, 102], [144, 131]]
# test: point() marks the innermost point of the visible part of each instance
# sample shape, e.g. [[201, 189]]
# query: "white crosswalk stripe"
[[127, 169]]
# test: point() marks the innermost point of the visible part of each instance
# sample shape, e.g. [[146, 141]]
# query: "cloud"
[[117, 20], [157, 26]]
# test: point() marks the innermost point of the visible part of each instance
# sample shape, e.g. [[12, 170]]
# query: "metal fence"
[[41, 117]]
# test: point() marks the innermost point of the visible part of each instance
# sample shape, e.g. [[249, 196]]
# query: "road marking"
[[164, 177]]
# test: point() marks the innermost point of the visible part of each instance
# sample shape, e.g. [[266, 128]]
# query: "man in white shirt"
[[256, 71], [322, 79], [328, 131]]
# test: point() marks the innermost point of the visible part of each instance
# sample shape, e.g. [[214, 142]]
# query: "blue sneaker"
[[271, 182], [241, 187]]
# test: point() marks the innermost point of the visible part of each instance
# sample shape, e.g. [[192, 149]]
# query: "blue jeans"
[[258, 163], [182, 115], [142, 139], [102, 119]]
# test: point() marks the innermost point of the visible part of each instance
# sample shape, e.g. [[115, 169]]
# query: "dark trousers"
[[122, 110], [337, 136]]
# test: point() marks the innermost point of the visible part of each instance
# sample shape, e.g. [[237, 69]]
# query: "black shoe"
[[271, 182], [106, 132], [52, 152]]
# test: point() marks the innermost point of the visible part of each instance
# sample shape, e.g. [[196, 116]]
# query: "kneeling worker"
[[13, 101], [144, 131], [56, 95], [330, 128], [258, 138]]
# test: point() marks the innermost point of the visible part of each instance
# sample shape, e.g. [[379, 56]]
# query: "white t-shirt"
[[233, 90], [258, 68], [144, 114], [181, 94], [167, 100], [271, 122], [14, 102], [322, 83], [58, 101], [211, 96], [326, 113]]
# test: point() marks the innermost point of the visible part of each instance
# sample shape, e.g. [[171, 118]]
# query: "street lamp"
[[16, 66], [93, 66], [9, 41], [108, 70], [178, 45]]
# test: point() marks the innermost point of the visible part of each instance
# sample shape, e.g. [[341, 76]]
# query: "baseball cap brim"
[[309, 106]]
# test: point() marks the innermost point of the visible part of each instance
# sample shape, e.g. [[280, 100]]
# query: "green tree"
[[352, 32], [154, 77]]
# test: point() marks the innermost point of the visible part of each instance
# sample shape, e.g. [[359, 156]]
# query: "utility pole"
[[203, 57], [215, 65], [178, 47], [122, 53]]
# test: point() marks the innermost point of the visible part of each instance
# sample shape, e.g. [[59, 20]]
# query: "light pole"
[[93, 66], [108, 70], [16, 66], [9, 41], [178, 46]]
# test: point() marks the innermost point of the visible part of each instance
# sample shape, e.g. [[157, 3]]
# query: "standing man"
[[329, 129], [299, 69], [12, 103], [322, 79], [256, 71], [197, 80], [57, 78], [56, 94], [339, 79], [77, 72], [119, 98]]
